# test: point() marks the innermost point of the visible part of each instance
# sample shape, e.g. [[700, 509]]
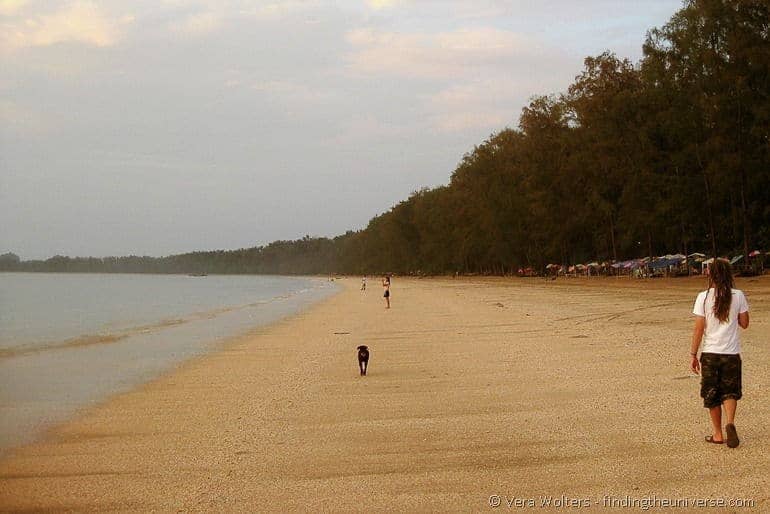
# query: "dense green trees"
[[712, 61], [669, 155]]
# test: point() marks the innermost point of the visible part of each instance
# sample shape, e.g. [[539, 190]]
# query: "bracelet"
[[694, 354]]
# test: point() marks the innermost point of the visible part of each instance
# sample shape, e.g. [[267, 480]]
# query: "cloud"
[[198, 24], [373, 133], [472, 79], [81, 22], [25, 121], [11, 7], [382, 4], [277, 10], [290, 92], [482, 104], [439, 55], [214, 14]]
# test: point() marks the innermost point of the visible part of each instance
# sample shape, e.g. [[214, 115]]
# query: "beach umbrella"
[[632, 264]]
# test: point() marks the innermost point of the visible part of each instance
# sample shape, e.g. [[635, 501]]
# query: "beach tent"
[[628, 265], [692, 260], [667, 261], [664, 262], [695, 258], [634, 264], [756, 262], [673, 256], [736, 259]]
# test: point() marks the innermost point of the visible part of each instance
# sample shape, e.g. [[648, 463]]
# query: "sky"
[[156, 127]]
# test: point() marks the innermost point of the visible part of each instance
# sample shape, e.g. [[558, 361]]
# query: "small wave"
[[75, 342], [109, 338], [88, 339]]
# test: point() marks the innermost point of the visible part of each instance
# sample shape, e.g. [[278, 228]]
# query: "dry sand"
[[525, 388]]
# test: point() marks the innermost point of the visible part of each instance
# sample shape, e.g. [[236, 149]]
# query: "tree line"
[[670, 154]]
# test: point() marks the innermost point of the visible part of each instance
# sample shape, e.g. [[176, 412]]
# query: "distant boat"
[[196, 275]]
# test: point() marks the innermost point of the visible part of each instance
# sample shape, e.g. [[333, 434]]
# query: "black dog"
[[363, 359]]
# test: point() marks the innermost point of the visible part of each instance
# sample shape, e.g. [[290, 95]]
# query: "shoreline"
[[46, 383], [476, 387]]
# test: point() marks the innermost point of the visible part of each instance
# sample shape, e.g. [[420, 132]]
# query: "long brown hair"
[[721, 279]]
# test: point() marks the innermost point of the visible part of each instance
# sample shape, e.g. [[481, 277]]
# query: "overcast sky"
[[157, 127]]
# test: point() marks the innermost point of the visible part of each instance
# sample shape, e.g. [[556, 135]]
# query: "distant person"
[[363, 284], [719, 311], [386, 293]]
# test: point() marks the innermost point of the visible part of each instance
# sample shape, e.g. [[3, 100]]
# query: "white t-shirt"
[[720, 337]]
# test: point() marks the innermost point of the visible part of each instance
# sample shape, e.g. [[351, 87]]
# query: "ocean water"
[[69, 340]]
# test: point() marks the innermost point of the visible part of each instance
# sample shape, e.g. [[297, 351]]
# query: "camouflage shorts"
[[720, 378]]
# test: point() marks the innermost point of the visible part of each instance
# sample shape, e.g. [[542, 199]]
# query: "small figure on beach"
[[363, 284], [386, 287], [719, 311], [363, 359]]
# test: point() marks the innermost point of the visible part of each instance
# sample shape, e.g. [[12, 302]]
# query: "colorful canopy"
[[664, 263]]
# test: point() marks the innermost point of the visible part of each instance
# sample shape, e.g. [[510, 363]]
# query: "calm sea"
[[70, 340]]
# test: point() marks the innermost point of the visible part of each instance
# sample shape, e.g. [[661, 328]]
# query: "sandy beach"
[[479, 391]]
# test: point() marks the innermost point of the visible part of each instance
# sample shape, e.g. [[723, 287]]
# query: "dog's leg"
[[366, 364]]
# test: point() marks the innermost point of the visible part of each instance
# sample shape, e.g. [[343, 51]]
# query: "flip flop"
[[710, 439], [732, 436]]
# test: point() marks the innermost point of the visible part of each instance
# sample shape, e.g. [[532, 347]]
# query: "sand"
[[576, 389]]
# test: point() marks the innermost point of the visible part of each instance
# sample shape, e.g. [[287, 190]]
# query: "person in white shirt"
[[719, 311], [386, 288]]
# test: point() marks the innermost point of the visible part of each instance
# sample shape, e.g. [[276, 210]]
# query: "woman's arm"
[[743, 319], [697, 335]]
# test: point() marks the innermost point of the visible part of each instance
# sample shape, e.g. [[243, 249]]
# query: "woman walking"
[[719, 311]]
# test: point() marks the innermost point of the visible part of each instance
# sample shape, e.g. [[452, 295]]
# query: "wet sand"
[[575, 389]]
